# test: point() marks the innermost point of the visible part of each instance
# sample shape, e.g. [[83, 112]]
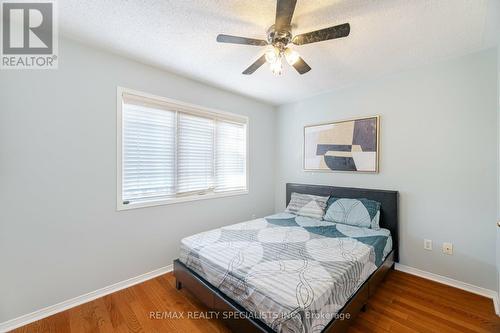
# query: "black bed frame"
[[242, 321]]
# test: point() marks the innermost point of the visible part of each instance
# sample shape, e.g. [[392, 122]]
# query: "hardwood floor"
[[403, 303]]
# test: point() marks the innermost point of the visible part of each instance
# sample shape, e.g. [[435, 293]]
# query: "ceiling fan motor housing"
[[279, 39]]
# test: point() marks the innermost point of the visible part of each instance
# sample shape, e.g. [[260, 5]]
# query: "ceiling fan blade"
[[337, 31], [284, 14], [240, 40], [301, 66], [253, 67]]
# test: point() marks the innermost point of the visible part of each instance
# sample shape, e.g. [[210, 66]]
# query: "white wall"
[[60, 233], [438, 148]]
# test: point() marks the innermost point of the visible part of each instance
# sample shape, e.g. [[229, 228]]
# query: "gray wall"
[[60, 235], [438, 148]]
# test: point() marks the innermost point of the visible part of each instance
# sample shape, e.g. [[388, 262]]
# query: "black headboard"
[[387, 199]]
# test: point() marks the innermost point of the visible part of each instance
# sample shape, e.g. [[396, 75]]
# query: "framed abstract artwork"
[[348, 145]]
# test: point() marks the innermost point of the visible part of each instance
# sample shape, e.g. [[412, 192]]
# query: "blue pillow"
[[356, 212]]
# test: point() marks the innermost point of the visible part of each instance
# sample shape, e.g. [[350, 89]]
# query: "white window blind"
[[168, 152], [195, 153], [230, 168], [148, 152]]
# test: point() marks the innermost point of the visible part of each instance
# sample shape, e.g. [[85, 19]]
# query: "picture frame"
[[351, 145]]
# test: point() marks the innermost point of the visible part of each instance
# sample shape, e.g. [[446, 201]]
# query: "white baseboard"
[[53, 309], [453, 283]]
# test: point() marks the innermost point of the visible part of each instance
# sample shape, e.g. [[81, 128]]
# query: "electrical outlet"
[[448, 248], [253, 216], [428, 244]]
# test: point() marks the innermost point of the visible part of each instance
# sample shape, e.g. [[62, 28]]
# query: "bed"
[[288, 273]]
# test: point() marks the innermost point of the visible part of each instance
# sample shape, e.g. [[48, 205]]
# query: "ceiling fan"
[[280, 38]]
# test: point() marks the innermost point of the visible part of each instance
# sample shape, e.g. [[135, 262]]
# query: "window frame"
[[182, 107]]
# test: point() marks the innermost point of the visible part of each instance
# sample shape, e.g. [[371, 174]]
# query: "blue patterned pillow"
[[357, 212]]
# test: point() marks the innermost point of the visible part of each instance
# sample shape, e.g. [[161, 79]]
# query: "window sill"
[[161, 202]]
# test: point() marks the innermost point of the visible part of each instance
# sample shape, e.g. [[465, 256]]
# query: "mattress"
[[293, 273]]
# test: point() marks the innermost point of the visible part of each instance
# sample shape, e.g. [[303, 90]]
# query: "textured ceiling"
[[386, 36]]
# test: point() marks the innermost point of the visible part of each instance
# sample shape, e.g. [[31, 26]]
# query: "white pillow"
[[307, 205]]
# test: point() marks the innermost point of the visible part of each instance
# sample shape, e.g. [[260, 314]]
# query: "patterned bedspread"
[[291, 272]]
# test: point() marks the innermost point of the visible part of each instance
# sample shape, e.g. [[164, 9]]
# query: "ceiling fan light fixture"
[[277, 67], [272, 54], [291, 56]]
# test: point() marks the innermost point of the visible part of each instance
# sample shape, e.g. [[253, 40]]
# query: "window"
[[171, 152]]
